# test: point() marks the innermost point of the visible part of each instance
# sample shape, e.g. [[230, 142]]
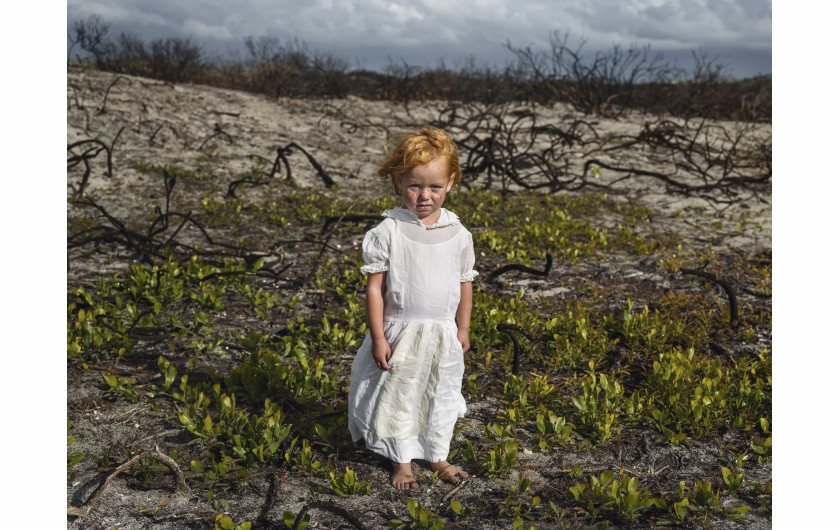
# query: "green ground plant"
[[269, 387], [419, 517]]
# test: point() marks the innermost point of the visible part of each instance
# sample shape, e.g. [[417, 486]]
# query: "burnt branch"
[[102, 109], [329, 182], [518, 267], [181, 488], [352, 218], [330, 507], [509, 330], [217, 131], [321, 252], [727, 287]]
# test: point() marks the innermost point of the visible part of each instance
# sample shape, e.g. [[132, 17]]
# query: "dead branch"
[[323, 249], [330, 507], [92, 152], [730, 292], [329, 182], [181, 488], [518, 267], [352, 218], [271, 497], [217, 131], [102, 109], [509, 330]]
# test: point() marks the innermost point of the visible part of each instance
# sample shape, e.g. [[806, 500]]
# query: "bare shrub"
[[597, 86], [607, 83], [90, 35], [294, 70]]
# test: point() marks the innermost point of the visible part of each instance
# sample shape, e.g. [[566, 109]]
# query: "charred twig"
[[217, 131], [281, 156], [509, 330], [223, 113], [330, 507], [132, 239], [353, 218], [262, 519], [323, 249], [283, 152], [92, 152], [152, 137], [518, 267], [102, 109], [231, 192], [181, 488], [169, 181], [730, 292]]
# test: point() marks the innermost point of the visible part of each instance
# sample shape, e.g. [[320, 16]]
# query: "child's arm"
[[462, 315], [375, 302]]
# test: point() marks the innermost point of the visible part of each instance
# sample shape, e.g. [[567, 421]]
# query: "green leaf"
[[727, 474], [223, 522], [289, 518]]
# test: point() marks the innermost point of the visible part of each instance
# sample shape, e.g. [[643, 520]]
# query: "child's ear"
[[450, 183]]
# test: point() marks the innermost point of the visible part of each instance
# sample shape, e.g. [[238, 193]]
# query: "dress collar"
[[404, 214]]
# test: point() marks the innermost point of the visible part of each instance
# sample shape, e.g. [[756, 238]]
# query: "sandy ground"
[[154, 122], [163, 123]]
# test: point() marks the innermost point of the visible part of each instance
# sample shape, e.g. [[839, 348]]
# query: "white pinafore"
[[410, 411]]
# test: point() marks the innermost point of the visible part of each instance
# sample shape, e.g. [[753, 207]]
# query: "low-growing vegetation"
[[620, 372]]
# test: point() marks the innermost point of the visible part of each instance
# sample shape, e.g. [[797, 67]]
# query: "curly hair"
[[405, 151]]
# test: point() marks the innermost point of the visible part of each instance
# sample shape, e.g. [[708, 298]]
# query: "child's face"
[[424, 188]]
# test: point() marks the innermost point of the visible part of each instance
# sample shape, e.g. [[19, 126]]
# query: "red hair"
[[405, 151]]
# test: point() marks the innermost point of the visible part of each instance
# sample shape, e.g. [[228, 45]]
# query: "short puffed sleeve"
[[375, 249], [468, 273]]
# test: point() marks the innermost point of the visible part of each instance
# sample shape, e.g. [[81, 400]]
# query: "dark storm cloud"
[[425, 31]]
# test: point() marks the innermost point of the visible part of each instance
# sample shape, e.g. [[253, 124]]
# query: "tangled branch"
[[509, 330], [181, 488]]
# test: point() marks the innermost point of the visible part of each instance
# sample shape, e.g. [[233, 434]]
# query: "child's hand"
[[381, 353], [464, 339]]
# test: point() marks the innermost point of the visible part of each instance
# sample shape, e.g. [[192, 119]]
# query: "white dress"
[[410, 411]]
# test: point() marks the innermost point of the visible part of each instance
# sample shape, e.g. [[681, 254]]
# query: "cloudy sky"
[[372, 33]]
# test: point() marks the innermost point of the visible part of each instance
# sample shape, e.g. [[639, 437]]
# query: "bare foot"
[[448, 473], [402, 477]]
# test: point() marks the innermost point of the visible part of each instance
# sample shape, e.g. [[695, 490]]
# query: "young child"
[[405, 383]]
